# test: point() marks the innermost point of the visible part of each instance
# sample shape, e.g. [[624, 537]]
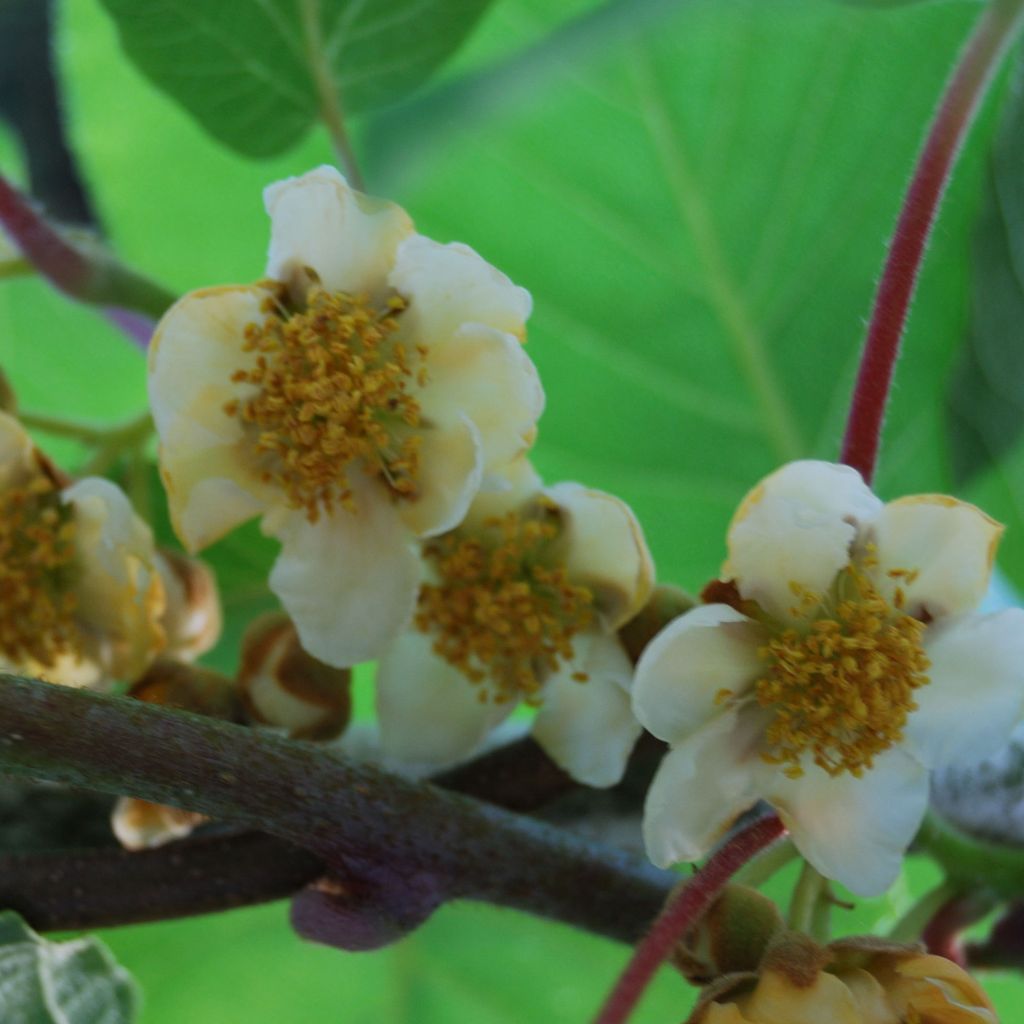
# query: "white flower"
[[80, 597], [522, 602], [838, 665], [356, 401]]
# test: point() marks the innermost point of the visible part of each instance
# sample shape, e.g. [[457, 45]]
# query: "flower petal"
[[485, 374], [120, 594], [778, 1000], [951, 545], [429, 712], [689, 663], [796, 526], [604, 550], [348, 581], [450, 472], [195, 350], [700, 788], [451, 285], [853, 830], [588, 727], [975, 693], [348, 238]]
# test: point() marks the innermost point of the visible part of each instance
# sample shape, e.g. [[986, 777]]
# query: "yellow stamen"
[[332, 389], [501, 612], [37, 555], [841, 686]]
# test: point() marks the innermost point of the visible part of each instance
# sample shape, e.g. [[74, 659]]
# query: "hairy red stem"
[[682, 912], [967, 86]]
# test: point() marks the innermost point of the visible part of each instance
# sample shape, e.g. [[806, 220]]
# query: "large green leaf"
[[75, 982], [987, 391], [257, 75]]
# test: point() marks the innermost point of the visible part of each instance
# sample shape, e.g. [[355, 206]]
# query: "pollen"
[[841, 686], [502, 610], [331, 389], [37, 556]]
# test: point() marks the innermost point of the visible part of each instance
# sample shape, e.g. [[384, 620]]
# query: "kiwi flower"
[[81, 599], [852, 981], [356, 401], [837, 662], [521, 603]]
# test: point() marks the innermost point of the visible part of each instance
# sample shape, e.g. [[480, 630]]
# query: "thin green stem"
[[809, 895], [910, 927], [328, 93], [767, 864], [128, 432]]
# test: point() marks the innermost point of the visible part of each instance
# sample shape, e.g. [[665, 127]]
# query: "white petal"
[[683, 669], [195, 350], [700, 788], [349, 581], [796, 526], [603, 548], [450, 285], [514, 484], [17, 453], [119, 590], [976, 691], [348, 238], [855, 831], [951, 545], [487, 375], [450, 471], [588, 728], [429, 712]]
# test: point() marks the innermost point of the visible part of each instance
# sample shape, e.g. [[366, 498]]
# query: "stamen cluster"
[[37, 556], [501, 612], [332, 388], [841, 685]]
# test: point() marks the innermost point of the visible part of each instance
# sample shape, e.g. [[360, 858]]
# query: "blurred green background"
[[699, 209]]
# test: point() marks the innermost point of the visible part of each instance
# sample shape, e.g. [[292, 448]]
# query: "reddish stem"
[[981, 56], [682, 912]]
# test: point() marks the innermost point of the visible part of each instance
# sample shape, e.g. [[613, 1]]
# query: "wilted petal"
[[949, 544], [588, 727], [485, 374], [701, 787], [348, 581], [975, 695], [796, 527], [777, 1000], [348, 238], [853, 830], [119, 590], [683, 670], [450, 472], [429, 713], [604, 549], [451, 285]]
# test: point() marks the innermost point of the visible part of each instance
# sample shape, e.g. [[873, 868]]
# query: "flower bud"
[[854, 981], [285, 687], [174, 684], [192, 618], [141, 825]]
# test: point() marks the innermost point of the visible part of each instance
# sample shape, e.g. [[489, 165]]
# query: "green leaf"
[[986, 394], [76, 982], [257, 75]]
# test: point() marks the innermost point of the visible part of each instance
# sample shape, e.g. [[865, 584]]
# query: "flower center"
[[37, 555], [501, 612], [332, 388], [841, 687]]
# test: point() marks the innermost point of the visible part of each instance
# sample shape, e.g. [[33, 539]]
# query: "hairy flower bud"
[[192, 619], [284, 686]]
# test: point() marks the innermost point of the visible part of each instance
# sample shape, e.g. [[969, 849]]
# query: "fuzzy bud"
[[285, 687]]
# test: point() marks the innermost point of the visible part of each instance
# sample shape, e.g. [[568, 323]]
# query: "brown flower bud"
[[854, 981], [192, 618], [140, 825], [284, 686]]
